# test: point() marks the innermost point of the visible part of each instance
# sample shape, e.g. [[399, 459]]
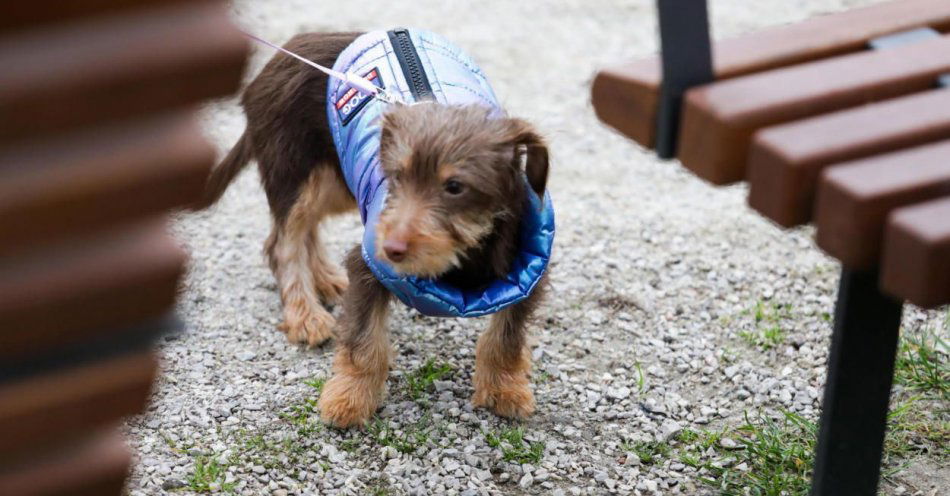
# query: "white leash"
[[358, 83]]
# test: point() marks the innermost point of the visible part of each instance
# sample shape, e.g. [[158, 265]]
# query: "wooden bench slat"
[[99, 178], [625, 96], [916, 260], [786, 160], [21, 15], [85, 288], [69, 403], [93, 467], [855, 198], [719, 119], [116, 68]]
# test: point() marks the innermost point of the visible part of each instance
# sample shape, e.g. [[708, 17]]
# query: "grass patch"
[[208, 475], [316, 383], [407, 440], [774, 457], [304, 416], [419, 381], [923, 363], [541, 377], [917, 426], [687, 436], [767, 331], [513, 446], [641, 379], [918, 423], [649, 452]]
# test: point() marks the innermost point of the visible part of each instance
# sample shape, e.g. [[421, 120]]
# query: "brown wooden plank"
[[785, 160], [916, 259], [625, 95], [51, 408], [99, 178], [854, 199], [91, 467], [86, 288], [115, 68], [23, 15], [719, 119]]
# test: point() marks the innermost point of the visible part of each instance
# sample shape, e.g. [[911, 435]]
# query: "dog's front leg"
[[361, 363], [503, 362]]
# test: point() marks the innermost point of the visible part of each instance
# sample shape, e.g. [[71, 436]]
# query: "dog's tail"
[[224, 173]]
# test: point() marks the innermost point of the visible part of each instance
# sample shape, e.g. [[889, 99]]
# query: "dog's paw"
[[513, 400], [347, 401], [312, 330]]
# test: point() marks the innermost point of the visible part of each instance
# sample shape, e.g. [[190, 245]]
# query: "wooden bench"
[[98, 141], [844, 121]]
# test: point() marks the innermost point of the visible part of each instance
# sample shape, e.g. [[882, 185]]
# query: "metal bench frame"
[[866, 323]]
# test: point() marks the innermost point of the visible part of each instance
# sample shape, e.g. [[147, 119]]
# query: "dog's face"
[[452, 172]]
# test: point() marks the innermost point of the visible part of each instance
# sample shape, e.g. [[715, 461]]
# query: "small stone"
[[670, 429], [171, 484], [246, 355], [526, 481], [258, 469], [618, 394], [728, 443], [443, 385]]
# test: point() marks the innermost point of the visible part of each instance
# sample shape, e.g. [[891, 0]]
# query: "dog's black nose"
[[395, 250]]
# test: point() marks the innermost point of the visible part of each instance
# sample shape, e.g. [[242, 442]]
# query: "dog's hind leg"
[[308, 279], [361, 363], [503, 361]]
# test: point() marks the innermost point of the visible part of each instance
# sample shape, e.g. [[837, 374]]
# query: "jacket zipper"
[[411, 65]]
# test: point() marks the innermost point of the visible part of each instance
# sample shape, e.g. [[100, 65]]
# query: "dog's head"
[[455, 174]]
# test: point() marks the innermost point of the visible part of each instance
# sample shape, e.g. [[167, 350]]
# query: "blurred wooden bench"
[[98, 141], [842, 120]]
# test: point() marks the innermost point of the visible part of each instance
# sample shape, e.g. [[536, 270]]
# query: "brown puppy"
[[453, 211]]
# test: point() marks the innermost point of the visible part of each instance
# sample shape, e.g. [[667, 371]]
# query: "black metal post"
[[860, 371], [687, 62]]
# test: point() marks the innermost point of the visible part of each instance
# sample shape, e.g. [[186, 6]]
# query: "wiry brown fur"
[[455, 200]]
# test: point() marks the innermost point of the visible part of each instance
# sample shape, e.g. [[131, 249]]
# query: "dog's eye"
[[453, 187]]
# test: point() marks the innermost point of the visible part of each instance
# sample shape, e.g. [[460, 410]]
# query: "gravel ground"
[[655, 278]]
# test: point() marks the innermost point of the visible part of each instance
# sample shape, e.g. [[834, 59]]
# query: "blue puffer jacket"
[[418, 65]]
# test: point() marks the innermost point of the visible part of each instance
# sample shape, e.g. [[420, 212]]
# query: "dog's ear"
[[392, 137], [520, 134], [388, 124]]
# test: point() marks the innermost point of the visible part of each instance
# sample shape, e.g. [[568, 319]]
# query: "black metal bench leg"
[[687, 62], [860, 371]]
